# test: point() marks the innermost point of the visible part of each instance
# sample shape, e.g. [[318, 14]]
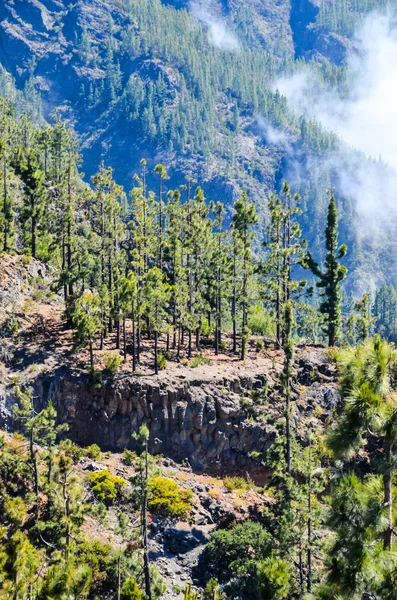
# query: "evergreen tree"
[[87, 322], [33, 212], [332, 276], [157, 294], [244, 218]]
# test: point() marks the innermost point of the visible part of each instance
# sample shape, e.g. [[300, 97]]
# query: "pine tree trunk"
[[234, 306], [156, 358], [5, 203], [119, 576], [189, 350], [138, 331], [309, 537], [145, 535], [33, 459], [91, 355], [388, 498], [124, 340], [33, 226], [178, 351], [288, 432], [133, 340]]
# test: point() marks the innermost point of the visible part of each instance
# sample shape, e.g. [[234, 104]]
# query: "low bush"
[[260, 322], [162, 361], [129, 457], [237, 483], [259, 346], [112, 362], [71, 450], [168, 499], [199, 360], [130, 590], [106, 487], [233, 555], [93, 452]]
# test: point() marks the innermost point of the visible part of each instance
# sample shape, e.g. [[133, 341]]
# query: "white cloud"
[[273, 135], [365, 119], [209, 12]]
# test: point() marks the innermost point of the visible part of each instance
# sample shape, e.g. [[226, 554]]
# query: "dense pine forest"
[[148, 79], [198, 372]]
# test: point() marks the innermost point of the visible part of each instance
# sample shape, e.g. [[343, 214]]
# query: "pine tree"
[[33, 212], [243, 219], [86, 318], [157, 294], [142, 438], [7, 213], [370, 409], [332, 275], [161, 171]]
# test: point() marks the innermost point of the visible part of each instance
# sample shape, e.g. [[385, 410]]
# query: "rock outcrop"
[[209, 424]]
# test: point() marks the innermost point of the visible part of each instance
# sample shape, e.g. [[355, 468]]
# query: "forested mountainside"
[[189, 84], [149, 327], [198, 376]]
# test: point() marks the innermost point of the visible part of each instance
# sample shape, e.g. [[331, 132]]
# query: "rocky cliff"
[[207, 421]]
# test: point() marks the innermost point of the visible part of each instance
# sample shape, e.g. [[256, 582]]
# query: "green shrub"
[[95, 379], [232, 556], [237, 483], [223, 346], [168, 499], [130, 590], [106, 487], [259, 346], [93, 451], [15, 511], [71, 450], [129, 457], [112, 362], [260, 322], [162, 361], [205, 328], [199, 360], [274, 579], [102, 562]]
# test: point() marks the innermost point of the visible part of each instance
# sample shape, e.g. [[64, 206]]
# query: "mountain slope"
[[187, 83]]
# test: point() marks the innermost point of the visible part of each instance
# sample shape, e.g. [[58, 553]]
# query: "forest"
[[165, 267]]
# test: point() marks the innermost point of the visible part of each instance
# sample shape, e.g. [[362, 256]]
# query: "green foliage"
[[162, 362], [237, 483], [332, 276], [106, 487], [129, 457], [212, 591], [233, 555], [112, 362], [274, 579], [93, 452], [86, 319], [168, 499], [260, 322], [130, 590], [199, 360]]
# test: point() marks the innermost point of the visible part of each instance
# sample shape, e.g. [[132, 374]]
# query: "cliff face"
[[210, 423]]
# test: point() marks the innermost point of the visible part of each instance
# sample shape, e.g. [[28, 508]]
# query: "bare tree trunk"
[[133, 340], [156, 358], [146, 563]]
